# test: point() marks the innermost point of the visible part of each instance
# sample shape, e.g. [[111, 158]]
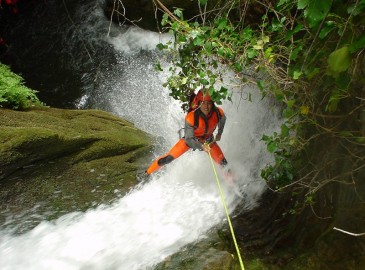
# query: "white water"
[[179, 205]]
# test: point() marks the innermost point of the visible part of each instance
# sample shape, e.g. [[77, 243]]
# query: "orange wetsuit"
[[198, 130]]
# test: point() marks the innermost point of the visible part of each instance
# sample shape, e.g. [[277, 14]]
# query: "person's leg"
[[217, 154], [176, 151], [218, 157]]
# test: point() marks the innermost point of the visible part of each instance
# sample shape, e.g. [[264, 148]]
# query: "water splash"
[[137, 231], [181, 202]]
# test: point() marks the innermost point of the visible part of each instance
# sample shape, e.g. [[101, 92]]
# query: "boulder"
[[67, 160]]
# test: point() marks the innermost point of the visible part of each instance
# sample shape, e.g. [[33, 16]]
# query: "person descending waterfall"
[[200, 123]]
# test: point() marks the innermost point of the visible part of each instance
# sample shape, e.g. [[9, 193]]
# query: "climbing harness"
[[227, 214], [197, 114]]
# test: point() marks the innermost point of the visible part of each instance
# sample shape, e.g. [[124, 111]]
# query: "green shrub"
[[13, 93]]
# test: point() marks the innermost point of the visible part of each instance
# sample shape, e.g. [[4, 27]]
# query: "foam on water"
[[179, 204]]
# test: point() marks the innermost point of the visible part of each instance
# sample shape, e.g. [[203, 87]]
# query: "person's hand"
[[218, 137], [206, 147]]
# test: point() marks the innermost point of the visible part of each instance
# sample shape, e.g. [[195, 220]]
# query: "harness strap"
[[198, 113]]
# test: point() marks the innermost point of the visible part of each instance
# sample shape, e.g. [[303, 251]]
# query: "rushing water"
[[179, 205]]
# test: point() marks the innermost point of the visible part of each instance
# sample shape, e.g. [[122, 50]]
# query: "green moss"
[[66, 160]]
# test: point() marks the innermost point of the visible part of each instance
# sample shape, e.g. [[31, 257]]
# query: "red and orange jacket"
[[199, 128]]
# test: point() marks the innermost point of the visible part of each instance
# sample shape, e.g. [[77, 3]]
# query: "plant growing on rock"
[[309, 55], [13, 93]]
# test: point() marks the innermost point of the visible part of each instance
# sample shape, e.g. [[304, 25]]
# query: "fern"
[[13, 93]]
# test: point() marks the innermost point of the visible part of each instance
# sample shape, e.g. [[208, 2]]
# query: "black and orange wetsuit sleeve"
[[222, 121], [190, 139]]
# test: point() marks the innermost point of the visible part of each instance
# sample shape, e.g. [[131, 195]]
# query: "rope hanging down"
[[227, 214]]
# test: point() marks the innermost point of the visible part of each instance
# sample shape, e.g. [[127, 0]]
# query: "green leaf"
[[356, 8], [165, 19], [204, 82], [343, 82], [311, 73], [238, 67], [158, 67], [316, 10], [284, 130], [251, 53], [295, 52], [287, 113], [194, 33], [332, 105], [346, 133], [358, 44], [202, 74], [339, 61], [289, 34], [223, 90], [296, 74], [181, 38], [279, 95], [203, 2], [302, 4], [208, 47], [276, 26], [265, 138], [215, 64], [281, 2], [178, 12], [268, 53], [271, 147], [327, 28], [198, 41], [160, 46], [220, 51], [290, 103], [333, 101], [260, 85], [247, 33], [222, 24]]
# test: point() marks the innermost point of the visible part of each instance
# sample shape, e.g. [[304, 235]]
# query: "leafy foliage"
[[307, 54], [13, 93]]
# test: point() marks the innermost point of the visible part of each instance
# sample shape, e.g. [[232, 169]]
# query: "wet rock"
[[66, 160]]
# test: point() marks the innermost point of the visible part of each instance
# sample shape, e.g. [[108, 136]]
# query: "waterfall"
[[180, 204]]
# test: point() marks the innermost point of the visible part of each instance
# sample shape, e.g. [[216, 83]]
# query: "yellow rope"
[[225, 208]]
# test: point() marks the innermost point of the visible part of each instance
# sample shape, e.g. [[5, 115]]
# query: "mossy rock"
[[207, 254], [67, 160]]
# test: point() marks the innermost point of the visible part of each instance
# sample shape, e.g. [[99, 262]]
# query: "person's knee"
[[165, 160]]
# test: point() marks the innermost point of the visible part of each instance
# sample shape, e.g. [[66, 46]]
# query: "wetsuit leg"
[[217, 154], [219, 158], [176, 151]]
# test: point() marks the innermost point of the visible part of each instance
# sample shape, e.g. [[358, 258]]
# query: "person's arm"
[[190, 139], [221, 124]]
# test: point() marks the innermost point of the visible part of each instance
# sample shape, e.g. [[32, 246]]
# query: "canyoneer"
[[202, 120]]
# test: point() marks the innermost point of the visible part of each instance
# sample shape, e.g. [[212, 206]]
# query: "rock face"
[[56, 161], [66, 159]]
